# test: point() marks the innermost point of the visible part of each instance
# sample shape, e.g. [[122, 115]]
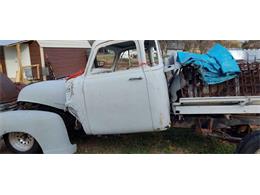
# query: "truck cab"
[[122, 90]]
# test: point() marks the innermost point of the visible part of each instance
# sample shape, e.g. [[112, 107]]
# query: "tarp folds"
[[216, 66]]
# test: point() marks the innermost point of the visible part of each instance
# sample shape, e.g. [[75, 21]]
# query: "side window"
[[127, 60], [116, 57], [104, 61], [151, 53]]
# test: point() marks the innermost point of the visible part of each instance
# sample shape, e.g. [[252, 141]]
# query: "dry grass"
[[174, 141]]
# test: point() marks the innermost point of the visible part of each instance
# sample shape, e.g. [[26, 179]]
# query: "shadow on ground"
[[171, 141]]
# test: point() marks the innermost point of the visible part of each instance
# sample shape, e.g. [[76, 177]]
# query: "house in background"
[[2, 61], [45, 59]]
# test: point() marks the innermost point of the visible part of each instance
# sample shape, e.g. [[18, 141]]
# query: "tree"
[[164, 47], [253, 44], [202, 46]]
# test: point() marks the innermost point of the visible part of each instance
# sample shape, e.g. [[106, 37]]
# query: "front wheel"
[[250, 144], [21, 143]]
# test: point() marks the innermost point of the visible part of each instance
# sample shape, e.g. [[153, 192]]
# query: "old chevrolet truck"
[[125, 88]]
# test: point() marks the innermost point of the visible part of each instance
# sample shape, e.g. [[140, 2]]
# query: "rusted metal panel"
[[250, 78], [8, 90], [247, 84], [65, 61]]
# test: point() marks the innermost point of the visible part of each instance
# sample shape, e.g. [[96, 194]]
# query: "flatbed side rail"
[[217, 105]]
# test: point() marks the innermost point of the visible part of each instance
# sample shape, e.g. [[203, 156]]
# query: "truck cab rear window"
[[151, 53]]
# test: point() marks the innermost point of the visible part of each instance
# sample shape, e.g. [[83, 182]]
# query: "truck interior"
[[117, 57]]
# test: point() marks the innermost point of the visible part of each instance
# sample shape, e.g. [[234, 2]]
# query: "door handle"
[[136, 79]]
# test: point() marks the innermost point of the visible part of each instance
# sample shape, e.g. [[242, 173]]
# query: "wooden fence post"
[[19, 59]]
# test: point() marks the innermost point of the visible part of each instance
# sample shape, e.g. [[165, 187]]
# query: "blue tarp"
[[216, 66]]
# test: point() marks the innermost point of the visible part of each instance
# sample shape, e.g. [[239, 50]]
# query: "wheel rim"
[[258, 151], [21, 141]]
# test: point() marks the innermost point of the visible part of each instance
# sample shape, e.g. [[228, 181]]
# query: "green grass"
[[173, 141]]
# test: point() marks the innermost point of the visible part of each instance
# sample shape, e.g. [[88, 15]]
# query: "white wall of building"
[[11, 61]]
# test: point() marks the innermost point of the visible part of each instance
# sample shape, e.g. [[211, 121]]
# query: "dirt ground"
[[174, 141]]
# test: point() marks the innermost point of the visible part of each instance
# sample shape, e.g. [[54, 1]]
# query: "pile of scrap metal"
[[246, 84], [215, 73], [8, 93]]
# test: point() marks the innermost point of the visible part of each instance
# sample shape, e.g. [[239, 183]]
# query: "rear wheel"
[[21, 143], [250, 144]]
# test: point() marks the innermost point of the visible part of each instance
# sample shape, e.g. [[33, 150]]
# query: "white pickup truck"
[[124, 89]]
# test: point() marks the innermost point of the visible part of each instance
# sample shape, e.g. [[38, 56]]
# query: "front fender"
[[49, 93], [46, 127]]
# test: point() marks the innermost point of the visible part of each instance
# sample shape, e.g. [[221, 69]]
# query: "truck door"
[[157, 85], [115, 90]]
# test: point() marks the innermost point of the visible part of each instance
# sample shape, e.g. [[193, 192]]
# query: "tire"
[[21, 143], [250, 144]]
